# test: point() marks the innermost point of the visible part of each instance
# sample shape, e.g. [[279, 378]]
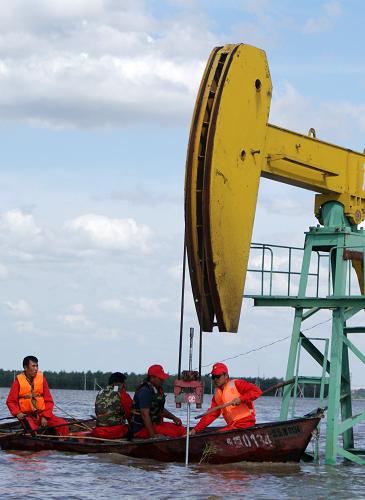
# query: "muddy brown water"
[[55, 475]]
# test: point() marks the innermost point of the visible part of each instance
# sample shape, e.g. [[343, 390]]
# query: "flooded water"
[[54, 475]]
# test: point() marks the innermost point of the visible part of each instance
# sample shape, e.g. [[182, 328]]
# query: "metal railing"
[[267, 274], [322, 274]]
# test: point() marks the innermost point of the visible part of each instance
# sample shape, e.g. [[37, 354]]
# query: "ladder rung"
[[354, 329], [312, 380]]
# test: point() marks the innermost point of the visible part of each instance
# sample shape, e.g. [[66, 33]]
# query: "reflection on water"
[[64, 475]]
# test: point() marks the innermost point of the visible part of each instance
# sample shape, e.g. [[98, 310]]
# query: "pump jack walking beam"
[[231, 146]]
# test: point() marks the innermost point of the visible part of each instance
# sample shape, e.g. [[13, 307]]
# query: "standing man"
[[112, 408], [29, 398], [241, 394], [148, 408]]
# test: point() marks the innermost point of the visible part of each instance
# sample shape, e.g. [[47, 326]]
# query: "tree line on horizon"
[[97, 380]]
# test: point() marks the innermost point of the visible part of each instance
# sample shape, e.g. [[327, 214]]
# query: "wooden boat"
[[283, 441]]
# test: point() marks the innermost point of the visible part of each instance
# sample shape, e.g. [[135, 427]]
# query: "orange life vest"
[[232, 413], [31, 394]]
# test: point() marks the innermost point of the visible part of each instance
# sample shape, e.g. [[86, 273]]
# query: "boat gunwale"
[[120, 442]]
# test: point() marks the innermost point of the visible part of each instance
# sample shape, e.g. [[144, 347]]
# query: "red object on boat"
[[188, 392], [189, 389]]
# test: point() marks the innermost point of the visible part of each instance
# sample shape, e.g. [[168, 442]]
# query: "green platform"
[[340, 241]]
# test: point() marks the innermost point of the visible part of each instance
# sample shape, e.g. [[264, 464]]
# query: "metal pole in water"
[[182, 309], [191, 349], [187, 437], [188, 404]]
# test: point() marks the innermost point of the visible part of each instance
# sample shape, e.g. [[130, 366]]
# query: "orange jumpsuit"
[[34, 418], [247, 392]]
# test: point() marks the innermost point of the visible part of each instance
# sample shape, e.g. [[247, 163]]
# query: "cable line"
[[266, 345], [252, 350]]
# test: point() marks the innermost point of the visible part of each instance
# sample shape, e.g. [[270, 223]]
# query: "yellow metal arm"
[[230, 147], [303, 161]]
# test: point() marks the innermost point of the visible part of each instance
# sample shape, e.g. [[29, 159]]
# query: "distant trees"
[[95, 380], [6, 378]]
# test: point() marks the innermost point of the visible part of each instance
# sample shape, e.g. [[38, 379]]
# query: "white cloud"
[[53, 17], [149, 306], [79, 89], [20, 236], [101, 232], [18, 308], [283, 206], [75, 320], [24, 327], [144, 197], [136, 306], [176, 271], [19, 224], [108, 63], [77, 308], [324, 22], [75, 317], [340, 122], [113, 305], [22, 239], [106, 334], [4, 272], [289, 108], [111, 334]]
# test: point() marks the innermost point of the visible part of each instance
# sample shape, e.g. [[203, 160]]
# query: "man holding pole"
[[233, 398]]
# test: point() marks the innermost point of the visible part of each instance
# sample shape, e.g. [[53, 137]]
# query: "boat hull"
[[269, 442]]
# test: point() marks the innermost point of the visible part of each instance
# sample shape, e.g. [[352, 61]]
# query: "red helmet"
[[219, 368], [157, 371]]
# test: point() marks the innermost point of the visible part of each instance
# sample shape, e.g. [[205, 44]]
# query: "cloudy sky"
[[96, 98]]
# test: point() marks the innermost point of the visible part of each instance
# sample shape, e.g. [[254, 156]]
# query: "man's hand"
[[20, 416], [192, 432], [43, 422], [236, 402], [177, 421]]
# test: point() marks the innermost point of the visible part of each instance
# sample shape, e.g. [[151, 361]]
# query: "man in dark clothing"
[[112, 408], [149, 408]]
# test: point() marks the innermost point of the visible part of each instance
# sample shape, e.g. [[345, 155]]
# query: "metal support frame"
[[336, 237], [322, 359]]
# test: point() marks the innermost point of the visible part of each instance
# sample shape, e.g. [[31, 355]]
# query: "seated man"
[[240, 393], [30, 399], [112, 408], [149, 409]]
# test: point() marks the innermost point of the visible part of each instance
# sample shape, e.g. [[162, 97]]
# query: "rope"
[[71, 416]]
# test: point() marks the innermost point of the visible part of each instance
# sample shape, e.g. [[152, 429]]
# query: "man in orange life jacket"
[[241, 413], [29, 398]]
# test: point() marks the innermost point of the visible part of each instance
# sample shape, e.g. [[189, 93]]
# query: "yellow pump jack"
[[231, 146]]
